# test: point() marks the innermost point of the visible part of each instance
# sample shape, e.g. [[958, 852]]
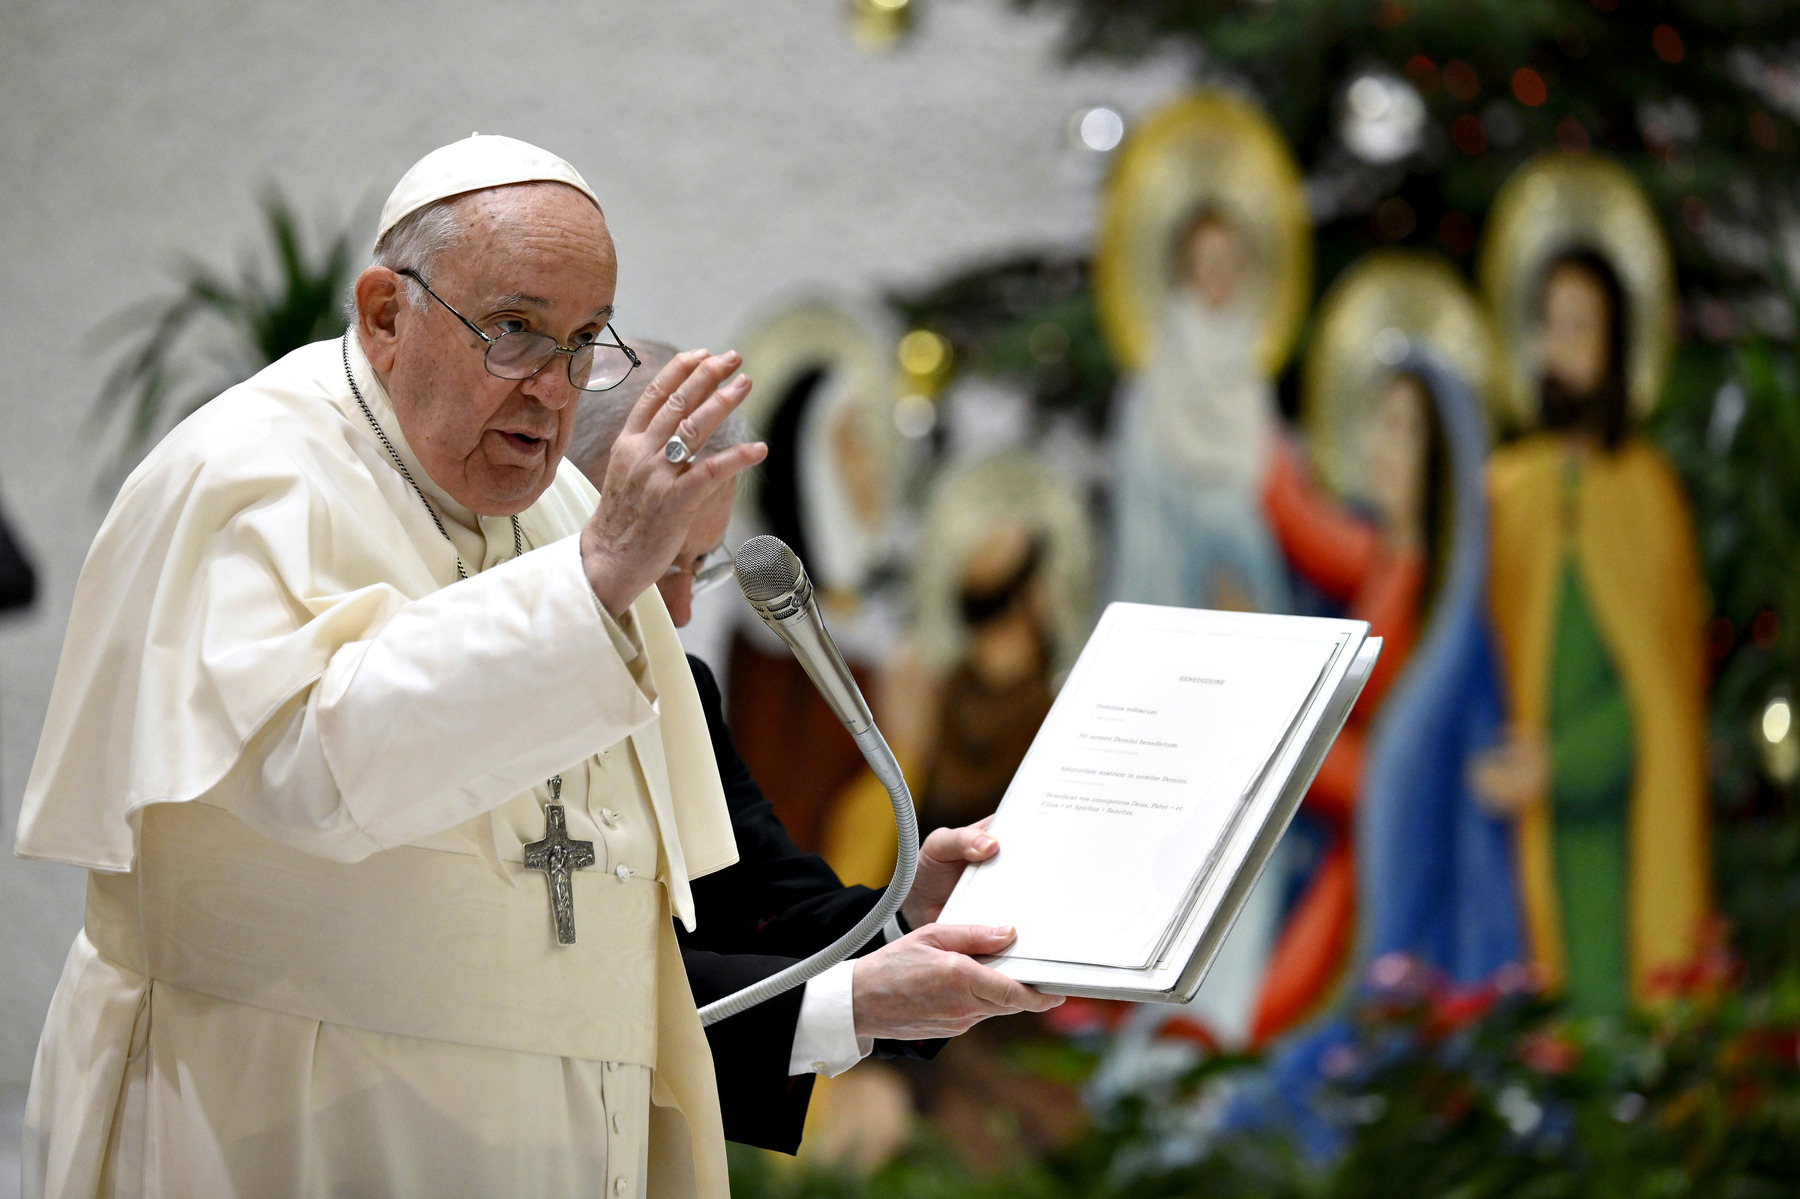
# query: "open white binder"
[[1155, 793]]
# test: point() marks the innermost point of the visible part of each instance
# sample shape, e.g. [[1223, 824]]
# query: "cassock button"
[[619, 1186], [618, 1122], [624, 872], [609, 818], [611, 1066], [818, 1067]]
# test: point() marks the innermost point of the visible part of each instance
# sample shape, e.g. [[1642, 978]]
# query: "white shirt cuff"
[[825, 1040]]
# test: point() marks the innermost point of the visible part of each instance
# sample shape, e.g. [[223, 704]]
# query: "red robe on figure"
[[1348, 560]]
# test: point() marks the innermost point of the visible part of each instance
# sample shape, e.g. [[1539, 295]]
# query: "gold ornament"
[[924, 359], [1383, 305], [878, 25], [1554, 204], [1212, 149]]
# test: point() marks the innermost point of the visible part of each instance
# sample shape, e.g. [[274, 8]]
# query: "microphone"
[[778, 590], [776, 585]]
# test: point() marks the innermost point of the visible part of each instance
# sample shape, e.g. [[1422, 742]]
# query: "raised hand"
[[648, 502], [927, 985]]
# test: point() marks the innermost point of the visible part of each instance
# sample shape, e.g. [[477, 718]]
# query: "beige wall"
[[743, 150]]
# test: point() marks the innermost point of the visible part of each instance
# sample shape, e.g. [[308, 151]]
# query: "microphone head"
[[767, 569]]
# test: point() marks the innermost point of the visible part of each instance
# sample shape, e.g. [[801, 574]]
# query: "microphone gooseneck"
[[776, 586]]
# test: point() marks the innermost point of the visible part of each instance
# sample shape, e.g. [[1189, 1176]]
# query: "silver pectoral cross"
[[559, 857]]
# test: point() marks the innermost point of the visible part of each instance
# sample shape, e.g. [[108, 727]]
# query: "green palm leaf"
[[262, 315]]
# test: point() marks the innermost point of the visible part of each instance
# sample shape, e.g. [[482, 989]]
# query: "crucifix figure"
[[558, 857]]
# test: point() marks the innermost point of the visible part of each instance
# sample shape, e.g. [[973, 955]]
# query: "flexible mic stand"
[[776, 585]]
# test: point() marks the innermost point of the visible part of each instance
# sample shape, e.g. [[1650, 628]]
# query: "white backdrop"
[[744, 149]]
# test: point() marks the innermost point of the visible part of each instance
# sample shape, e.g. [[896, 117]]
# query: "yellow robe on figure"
[[1630, 536]]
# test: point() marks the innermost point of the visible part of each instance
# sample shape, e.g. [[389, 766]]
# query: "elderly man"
[[378, 745], [777, 904]]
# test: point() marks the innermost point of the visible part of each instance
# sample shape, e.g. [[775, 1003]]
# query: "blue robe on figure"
[[1435, 870]]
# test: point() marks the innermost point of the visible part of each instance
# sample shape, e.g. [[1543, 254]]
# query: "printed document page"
[[1136, 779]]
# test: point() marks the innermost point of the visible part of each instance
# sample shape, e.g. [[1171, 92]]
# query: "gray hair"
[[419, 239], [603, 415]]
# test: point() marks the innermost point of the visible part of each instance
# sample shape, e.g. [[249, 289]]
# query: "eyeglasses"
[[521, 353], [713, 568]]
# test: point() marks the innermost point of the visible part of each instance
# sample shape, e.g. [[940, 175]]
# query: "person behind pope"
[[777, 904], [376, 740]]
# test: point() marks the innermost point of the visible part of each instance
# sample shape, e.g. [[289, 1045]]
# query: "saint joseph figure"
[[1598, 610], [356, 655]]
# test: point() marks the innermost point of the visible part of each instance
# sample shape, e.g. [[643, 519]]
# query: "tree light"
[[1778, 737], [915, 416], [1382, 118], [1777, 720], [1098, 129]]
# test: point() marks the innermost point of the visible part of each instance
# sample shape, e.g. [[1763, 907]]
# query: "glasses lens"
[[713, 570], [519, 355], [597, 368]]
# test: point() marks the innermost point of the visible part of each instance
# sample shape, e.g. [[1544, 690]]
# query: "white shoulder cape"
[[266, 534]]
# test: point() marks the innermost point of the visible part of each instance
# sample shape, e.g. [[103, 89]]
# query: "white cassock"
[[300, 761]]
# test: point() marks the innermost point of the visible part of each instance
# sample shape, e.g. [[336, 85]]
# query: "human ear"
[[379, 299]]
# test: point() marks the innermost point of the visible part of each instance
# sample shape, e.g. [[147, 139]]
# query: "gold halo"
[[969, 498], [1211, 147], [1383, 304], [813, 333], [1553, 204]]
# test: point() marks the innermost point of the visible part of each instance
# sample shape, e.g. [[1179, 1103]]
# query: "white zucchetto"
[[478, 161]]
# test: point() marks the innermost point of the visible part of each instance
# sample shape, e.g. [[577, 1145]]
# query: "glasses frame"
[[568, 352], [713, 568]]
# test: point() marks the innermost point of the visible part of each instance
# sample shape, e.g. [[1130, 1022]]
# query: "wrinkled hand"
[[941, 860], [1509, 777], [647, 503], [925, 985]]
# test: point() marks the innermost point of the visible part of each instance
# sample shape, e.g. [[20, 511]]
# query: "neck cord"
[[461, 572], [555, 783]]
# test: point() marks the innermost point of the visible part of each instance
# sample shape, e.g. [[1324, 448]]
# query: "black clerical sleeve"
[[775, 900], [760, 1102], [774, 907]]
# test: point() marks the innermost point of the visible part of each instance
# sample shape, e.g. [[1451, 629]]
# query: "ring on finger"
[[676, 451]]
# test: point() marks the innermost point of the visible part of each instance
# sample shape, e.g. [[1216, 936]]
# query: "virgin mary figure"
[[1434, 866]]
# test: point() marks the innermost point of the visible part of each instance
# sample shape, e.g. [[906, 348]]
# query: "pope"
[[375, 738]]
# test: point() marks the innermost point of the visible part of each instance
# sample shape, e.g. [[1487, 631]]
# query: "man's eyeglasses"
[[521, 353], [712, 568]]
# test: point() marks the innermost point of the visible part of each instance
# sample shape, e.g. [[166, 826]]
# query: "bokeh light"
[[1098, 129]]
